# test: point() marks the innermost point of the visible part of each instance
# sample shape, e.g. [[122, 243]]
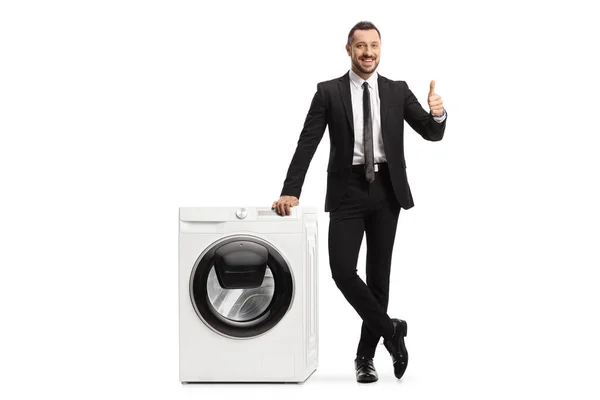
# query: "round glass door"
[[241, 286], [242, 304]]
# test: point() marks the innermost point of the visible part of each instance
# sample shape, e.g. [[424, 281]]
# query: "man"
[[366, 183]]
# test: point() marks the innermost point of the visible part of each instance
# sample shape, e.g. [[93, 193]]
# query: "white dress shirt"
[[356, 94]]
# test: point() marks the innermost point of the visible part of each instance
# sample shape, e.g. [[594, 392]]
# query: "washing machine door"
[[241, 286]]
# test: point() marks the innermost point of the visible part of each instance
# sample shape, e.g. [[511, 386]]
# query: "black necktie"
[[368, 135]]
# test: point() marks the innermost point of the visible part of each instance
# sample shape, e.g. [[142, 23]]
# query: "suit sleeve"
[[310, 137], [420, 120]]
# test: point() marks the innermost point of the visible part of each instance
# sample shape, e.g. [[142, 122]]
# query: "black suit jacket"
[[332, 106]]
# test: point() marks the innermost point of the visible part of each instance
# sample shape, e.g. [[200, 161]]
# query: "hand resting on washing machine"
[[284, 204]]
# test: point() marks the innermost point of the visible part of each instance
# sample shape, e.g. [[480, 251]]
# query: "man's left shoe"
[[395, 345], [365, 370]]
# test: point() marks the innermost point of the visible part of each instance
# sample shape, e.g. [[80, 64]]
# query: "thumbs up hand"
[[436, 105]]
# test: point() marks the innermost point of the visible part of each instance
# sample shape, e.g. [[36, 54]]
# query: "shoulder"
[[333, 84], [398, 83]]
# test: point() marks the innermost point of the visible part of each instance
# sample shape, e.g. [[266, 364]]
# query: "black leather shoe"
[[395, 345], [365, 370]]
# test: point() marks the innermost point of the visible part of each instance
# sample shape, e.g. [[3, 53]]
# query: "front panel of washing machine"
[[241, 286]]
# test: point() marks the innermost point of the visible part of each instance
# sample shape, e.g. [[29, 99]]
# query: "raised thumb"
[[431, 87]]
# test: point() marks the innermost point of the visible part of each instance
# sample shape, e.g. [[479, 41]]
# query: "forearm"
[[421, 121]]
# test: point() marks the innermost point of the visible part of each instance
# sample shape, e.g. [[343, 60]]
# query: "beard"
[[359, 67]]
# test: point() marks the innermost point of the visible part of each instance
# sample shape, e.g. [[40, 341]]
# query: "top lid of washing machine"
[[242, 213]]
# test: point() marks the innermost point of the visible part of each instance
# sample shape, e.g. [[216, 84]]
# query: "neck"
[[362, 74]]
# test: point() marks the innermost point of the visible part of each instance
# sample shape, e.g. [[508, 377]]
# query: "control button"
[[241, 213]]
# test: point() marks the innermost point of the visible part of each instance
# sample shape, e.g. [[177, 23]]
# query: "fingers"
[[281, 208], [437, 112], [435, 102], [436, 105], [435, 97], [284, 205]]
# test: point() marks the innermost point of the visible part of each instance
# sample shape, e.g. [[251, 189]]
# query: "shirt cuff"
[[441, 118]]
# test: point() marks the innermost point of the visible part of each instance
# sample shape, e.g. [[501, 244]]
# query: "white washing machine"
[[247, 294]]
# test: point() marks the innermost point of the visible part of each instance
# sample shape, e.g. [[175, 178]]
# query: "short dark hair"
[[363, 26]]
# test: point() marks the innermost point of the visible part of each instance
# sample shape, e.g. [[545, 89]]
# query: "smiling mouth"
[[367, 60]]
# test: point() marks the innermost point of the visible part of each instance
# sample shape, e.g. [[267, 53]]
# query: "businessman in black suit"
[[366, 184]]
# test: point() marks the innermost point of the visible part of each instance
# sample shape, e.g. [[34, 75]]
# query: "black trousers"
[[371, 209]]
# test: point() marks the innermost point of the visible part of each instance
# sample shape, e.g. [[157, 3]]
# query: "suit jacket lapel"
[[344, 84], [384, 98]]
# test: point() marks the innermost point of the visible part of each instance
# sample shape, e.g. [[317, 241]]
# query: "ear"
[[348, 50]]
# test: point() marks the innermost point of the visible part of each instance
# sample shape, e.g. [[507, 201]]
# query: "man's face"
[[365, 50]]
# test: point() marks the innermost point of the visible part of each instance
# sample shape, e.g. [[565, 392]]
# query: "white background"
[[115, 113]]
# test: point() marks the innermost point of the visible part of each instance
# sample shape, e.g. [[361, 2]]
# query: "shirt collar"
[[357, 81]]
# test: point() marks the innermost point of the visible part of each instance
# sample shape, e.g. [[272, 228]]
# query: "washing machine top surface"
[[242, 213]]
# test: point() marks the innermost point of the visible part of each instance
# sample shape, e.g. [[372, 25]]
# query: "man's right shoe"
[[365, 370], [396, 347]]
